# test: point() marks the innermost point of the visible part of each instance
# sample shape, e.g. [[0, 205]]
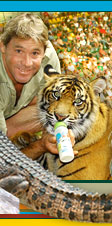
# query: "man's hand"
[[50, 144], [35, 148], [71, 135]]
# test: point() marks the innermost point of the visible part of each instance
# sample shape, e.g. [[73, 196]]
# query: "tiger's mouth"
[[79, 126], [50, 123], [79, 134]]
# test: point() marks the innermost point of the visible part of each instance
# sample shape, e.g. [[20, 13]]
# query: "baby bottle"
[[64, 145]]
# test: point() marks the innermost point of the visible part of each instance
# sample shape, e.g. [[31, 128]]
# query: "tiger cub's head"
[[70, 99]]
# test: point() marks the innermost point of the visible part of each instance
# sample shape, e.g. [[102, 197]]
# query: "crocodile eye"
[[78, 102], [56, 95]]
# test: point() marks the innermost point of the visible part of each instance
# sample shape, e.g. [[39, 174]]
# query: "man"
[[25, 50]]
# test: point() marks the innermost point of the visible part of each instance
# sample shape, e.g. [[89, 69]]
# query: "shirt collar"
[[48, 49], [3, 75]]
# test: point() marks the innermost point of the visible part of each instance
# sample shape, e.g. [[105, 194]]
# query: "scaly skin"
[[46, 193]]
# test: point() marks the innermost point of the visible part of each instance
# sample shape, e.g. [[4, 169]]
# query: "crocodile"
[[45, 192]]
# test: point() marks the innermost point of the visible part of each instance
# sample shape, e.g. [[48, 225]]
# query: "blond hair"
[[25, 25]]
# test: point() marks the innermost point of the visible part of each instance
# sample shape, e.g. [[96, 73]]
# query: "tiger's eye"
[[56, 94], [77, 101]]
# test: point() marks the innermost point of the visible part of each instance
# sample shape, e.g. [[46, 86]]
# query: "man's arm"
[[35, 149], [24, 120]]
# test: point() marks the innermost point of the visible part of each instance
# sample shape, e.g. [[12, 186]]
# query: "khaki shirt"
[[8, 92]]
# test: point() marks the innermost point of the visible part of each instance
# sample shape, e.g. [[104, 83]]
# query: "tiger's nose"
[[60, 117]]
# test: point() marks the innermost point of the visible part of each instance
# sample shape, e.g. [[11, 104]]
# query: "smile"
[[24, 71]]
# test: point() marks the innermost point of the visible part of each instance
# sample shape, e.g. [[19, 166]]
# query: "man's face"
[[22, 58]]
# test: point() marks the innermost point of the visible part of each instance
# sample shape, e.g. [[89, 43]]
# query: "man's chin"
[[23, 79]]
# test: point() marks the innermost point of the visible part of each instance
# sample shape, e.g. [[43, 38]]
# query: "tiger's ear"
[[49, 72], [99, 85]]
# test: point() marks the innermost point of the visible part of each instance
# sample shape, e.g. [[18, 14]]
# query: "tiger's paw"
[[24, 139]]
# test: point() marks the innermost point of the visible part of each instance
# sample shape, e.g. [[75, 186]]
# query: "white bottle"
[[64, 145]]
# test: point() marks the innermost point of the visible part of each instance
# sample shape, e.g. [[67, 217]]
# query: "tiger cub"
[[77, 102]]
